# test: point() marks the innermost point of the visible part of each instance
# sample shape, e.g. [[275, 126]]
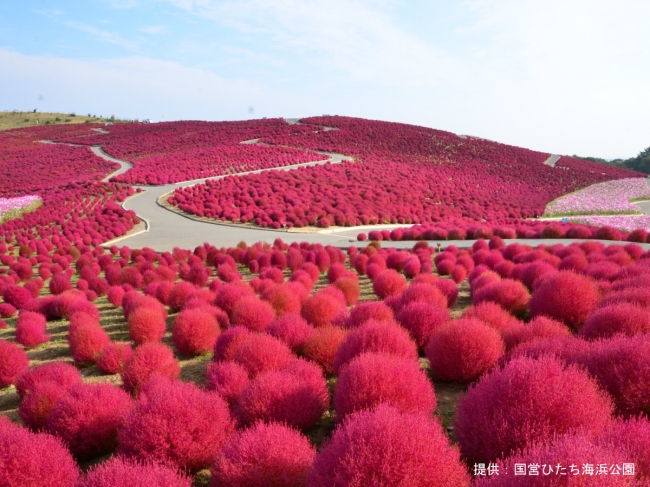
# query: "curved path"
[[552, 160], [167, 229]]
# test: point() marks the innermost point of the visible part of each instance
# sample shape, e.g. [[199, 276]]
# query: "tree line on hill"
[[639, 163]]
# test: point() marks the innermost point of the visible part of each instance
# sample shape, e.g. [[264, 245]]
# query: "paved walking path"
[[552, 160]]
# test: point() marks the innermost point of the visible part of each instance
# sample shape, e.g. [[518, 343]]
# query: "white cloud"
[[153, 29], [102, 35]]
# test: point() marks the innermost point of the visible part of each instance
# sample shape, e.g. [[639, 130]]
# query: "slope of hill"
[[17, 119]]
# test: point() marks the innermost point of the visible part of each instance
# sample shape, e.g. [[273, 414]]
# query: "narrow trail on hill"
[[166, 229]]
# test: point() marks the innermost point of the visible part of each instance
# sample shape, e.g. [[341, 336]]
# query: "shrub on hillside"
[[371, 379], [86, 343], [385, 446], [252, 313], [322, 345], [13, 362], [388, 283], [229, 342], [195, 332], [30, 329], [147, 323], [526, 401], [62, 374], [113, 356], [37, 405], [321, 308], [149, 359], [122, 472], [623, 318], [421, 319], [292, 329], [511, 295], [491, 314], [263, 353], [228, 379]]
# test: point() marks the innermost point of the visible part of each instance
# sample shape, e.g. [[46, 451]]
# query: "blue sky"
[[564, 76]]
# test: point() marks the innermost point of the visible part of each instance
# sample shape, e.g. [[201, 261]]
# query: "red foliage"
[[88, 418], [115, 295], [632, 437], [511, 295], [491, 314], [322, 307], [228, 379], [371, 379], [421, 319], [147, 360], [388, 283], [252, 313], [623, 318], [292, 329], [388, 447], [229, 342], [322, 345], [16, 296], [36, 459], [62, 374], [113, 356], [567, 349], [7, 310], [565, 296], [538, 327], [264, 455], [13, 361], [38, 403], [263, 353], [195, 331], [349, 286], [59, 283], [177, 424], [527, 401], [121, 472], [179, 294], [377, 337], [463, 350], [369, 310], [147, 323], [86, 342], [30, 329], [283, 299], [229, 294]]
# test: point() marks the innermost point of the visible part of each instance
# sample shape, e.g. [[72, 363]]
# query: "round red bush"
[[511, 295], [30, 329], [122, 472], [86, 342], [371, 379], [34, 459], [322, 345], [621, 365], [179, 294], [632, 437], [375, 336], [60, 373], [38, 403], [423, 293], [59, 283], [463, 350], [538, 327], [388, 283], [264, 455], [229, 342], [567, 349], [526, 401], [228, 379], [147, 324], [195, 332], [283, 397], [88, 418], [229, 294], [421, 319], [617, 318], [388, 447], [322, 307], [17, 296], [491, 314], [7, 310], [113, 356], [149, 359], [282, 299], [292, 329], [567, 297], [263, 353], [13, 362], [369, 310], [115, 295], [177, 424], [252, 313]]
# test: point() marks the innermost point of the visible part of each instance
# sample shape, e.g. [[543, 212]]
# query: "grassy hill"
[[16, 119]]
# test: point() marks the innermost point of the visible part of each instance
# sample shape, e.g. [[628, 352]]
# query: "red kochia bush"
[[179, 295], [147, 360], [177, 424], [577, 450], [121, 472], [296, 399], [527, 401], [34, 459], [388, 447], [565, 296], [631, 436], [30, 329], [424, 293], [463, 350], [262, 353], [17, 296], [113, 357], [378, 337], [60, 373], [59, 283], [322, 345], [538, 327], [283, 299], [195, 331], [388, 283], [7, 310], [511, 295], [264, 455], [253, 313], [13, 361], [86, 342], [228, 379], [367, 310], [421, 319], [491, 314], [292, 329], [621, 365], [567, 349], [229, 294], [229, 342], [38, 403], [322, 307], [371, 379], [88, 418], [617, 318], [115, 295]]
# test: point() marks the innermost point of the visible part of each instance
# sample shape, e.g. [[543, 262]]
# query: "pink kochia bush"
[[367, 310], [264, 455], [252, 313], [631, 436], [296, 396], [37, 405], [386, 446], [371, 379], [463, 350], [13, 361], [113, 356], [510, 294], [388, 283], [623, 318], [88, 418], [228, 379], [321, 308], [378, 337], [36, 459], [491, 314], [422, 319], [565, 296], [177, 424], [86, 342], [263, 353], [121, 472], [322, 345], [527, 401], [62, 374], [195, 332], [229, 342], [147, 360], [292, 329], [30, 329], [147, 323]]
